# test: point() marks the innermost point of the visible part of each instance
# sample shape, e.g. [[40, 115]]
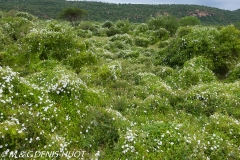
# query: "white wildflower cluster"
[[97, 155], [116, 114], [146, 75], [129, 142], [7, 76], [61, 141], [115, 69], [62, 82]]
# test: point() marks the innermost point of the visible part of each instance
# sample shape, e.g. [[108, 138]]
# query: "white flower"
[[97, 154]]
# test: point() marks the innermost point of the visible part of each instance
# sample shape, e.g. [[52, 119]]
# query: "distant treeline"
[[137, 13]]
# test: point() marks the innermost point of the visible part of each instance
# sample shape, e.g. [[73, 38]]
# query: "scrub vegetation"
[[163, 89]]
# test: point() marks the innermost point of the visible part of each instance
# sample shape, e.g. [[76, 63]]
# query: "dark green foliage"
[[189, 21], [237, 25], [102, 130], [112, 31], [80, 60]]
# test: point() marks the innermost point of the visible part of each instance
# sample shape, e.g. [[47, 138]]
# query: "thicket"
[[119, 90]]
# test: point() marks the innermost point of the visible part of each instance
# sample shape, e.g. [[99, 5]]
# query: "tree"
[[72, 14], [189, 21]]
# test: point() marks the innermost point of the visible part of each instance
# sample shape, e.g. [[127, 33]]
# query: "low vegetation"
[[118, 90]]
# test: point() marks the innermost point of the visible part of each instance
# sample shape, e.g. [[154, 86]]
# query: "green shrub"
[[150, 84], [170, 23], [219, 46], [234, 74], [206, 99], [84, 33], [200, 41], [80, 60], [189, 21], [163, 44], [163, 72], [86, 25], [128, 54], [109, 72], [142, 28], [183, 31], [141, 42], [15, 27], [162, 34], [126, 38], [44, 44], [102, 131], [119, 42], [123, 26], [26, 15], [112, 31], [107, 24]]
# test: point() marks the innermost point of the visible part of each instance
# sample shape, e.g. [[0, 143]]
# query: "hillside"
[[99, 11], [118, 90]]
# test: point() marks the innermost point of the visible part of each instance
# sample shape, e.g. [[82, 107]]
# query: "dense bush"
[[170, 23], [15, 27], [45, 44], [141, 42], [208, 42], [194, 72], [189, 21], [123, 26]]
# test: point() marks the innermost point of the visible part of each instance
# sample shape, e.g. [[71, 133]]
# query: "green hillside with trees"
[[168, 88], [138, 13]]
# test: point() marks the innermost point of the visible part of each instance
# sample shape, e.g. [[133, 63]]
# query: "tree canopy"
[[72, 14]]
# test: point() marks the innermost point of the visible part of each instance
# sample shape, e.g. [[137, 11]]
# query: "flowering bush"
[[15, 27], [45, 44]]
